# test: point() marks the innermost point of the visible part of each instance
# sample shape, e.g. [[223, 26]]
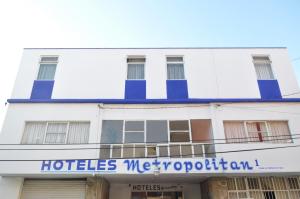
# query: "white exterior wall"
[[101, 74], [19, 113], [211, 73], [11, 187]]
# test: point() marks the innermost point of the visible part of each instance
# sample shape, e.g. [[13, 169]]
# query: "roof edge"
[[158, 48]]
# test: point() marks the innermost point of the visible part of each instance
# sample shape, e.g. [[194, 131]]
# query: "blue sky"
[[143, 23]]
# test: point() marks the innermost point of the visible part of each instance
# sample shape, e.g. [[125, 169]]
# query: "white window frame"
[[136, 57], [47, 62], [46, 128], [67, 131], [268, 131], [271, 65], [166, 144], [177, 62], [188, 131]]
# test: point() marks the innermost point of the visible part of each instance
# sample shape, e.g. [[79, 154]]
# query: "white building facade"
[[137, 123]]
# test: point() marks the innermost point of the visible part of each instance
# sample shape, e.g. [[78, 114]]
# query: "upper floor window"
[[257, 131], [56, 133], [179, 131], [136, 68], [174, 138], [263, 68], [175, 68], [134, 132], [47, 67]]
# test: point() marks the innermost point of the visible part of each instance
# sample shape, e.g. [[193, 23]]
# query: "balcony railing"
[[167, 150]]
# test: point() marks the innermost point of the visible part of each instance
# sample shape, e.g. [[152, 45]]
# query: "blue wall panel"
[[269, 89], [135, 89], [42, 89], [177, 89]]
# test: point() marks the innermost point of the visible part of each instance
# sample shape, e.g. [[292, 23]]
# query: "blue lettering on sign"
[[144, 166]]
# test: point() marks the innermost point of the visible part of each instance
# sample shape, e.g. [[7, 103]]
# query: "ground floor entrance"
[[250, 187]]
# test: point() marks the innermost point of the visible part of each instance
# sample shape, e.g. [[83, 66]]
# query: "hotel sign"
[[156, 166]]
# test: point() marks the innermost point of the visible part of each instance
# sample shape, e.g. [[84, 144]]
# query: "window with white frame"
[[257, 131], [134, 132], [150, 138], [175, 68], [136, 68], [47, 67], [179, 130], [263, 68], [56, 133]]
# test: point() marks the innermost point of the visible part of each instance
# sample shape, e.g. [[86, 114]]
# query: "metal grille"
[[264, 188]]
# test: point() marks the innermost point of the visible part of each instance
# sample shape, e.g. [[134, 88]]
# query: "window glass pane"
[[235, 132], [55, 138], [105, 152], [128, 151], [280, 132], [186, 151], [57, 128], [135, 71], [175, 71], [179, 125], [151, 151], [78, 132], [134, 125], [179, 137], [201, 130], [34, 133], [256, 128], [157, 131], [174, 59], [198, 150], [112, 131], [116, 151], [56, 133], [174, 151], [210, 150], [49, 59], [263, 68], [134, 137], [139, 151], [163, 151], [46, 71], [136, 59]]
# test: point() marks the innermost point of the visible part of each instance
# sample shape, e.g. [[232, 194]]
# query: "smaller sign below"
[[155, 187]]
